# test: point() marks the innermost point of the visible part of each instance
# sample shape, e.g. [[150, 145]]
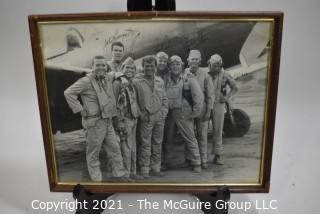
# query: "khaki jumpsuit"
[[207, 88], [220, 82], [128, 112], [153, 104], [99, 103], [182, 114]]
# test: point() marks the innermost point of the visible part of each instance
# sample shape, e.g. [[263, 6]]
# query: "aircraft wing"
[[254, 52], [58, 78], [54, 67]]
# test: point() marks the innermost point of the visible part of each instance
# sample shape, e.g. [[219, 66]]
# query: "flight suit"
[[153, 104], [114, 66], [182, 113], [128, 112], [99, 102], [220, 82], [206, 85], [162, 74]]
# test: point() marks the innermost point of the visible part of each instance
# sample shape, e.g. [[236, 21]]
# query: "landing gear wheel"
[[240, 125]]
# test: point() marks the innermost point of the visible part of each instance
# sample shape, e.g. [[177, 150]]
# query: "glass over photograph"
[[157, 101]]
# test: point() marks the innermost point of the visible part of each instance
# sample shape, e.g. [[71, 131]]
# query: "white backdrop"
[[295, 168]]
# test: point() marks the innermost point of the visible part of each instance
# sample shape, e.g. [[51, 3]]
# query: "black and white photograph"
[[156, 102]]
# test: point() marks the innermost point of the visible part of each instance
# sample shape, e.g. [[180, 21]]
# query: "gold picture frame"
[[48, 33]]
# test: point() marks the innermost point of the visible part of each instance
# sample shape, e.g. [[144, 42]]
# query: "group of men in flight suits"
[[134, 114]]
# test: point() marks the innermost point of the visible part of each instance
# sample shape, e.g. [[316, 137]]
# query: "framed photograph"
[[158, 101]]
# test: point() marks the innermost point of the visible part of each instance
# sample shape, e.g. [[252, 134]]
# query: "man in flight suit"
[[117, 53], [185, 103], [153, 104], [221, 80], [97, 110], [128, 112], [162, 64], [162, 72], [206, 85]]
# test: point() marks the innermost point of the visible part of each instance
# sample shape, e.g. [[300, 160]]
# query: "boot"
[[204, 165], [157, 174], [96, 175], [136, 177], [218, 160], [196, 169], [145, 175]]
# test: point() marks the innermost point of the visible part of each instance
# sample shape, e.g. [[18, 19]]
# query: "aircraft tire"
[[241, 124]]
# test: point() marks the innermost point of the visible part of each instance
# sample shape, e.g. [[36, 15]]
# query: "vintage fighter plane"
[[68, 52]]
